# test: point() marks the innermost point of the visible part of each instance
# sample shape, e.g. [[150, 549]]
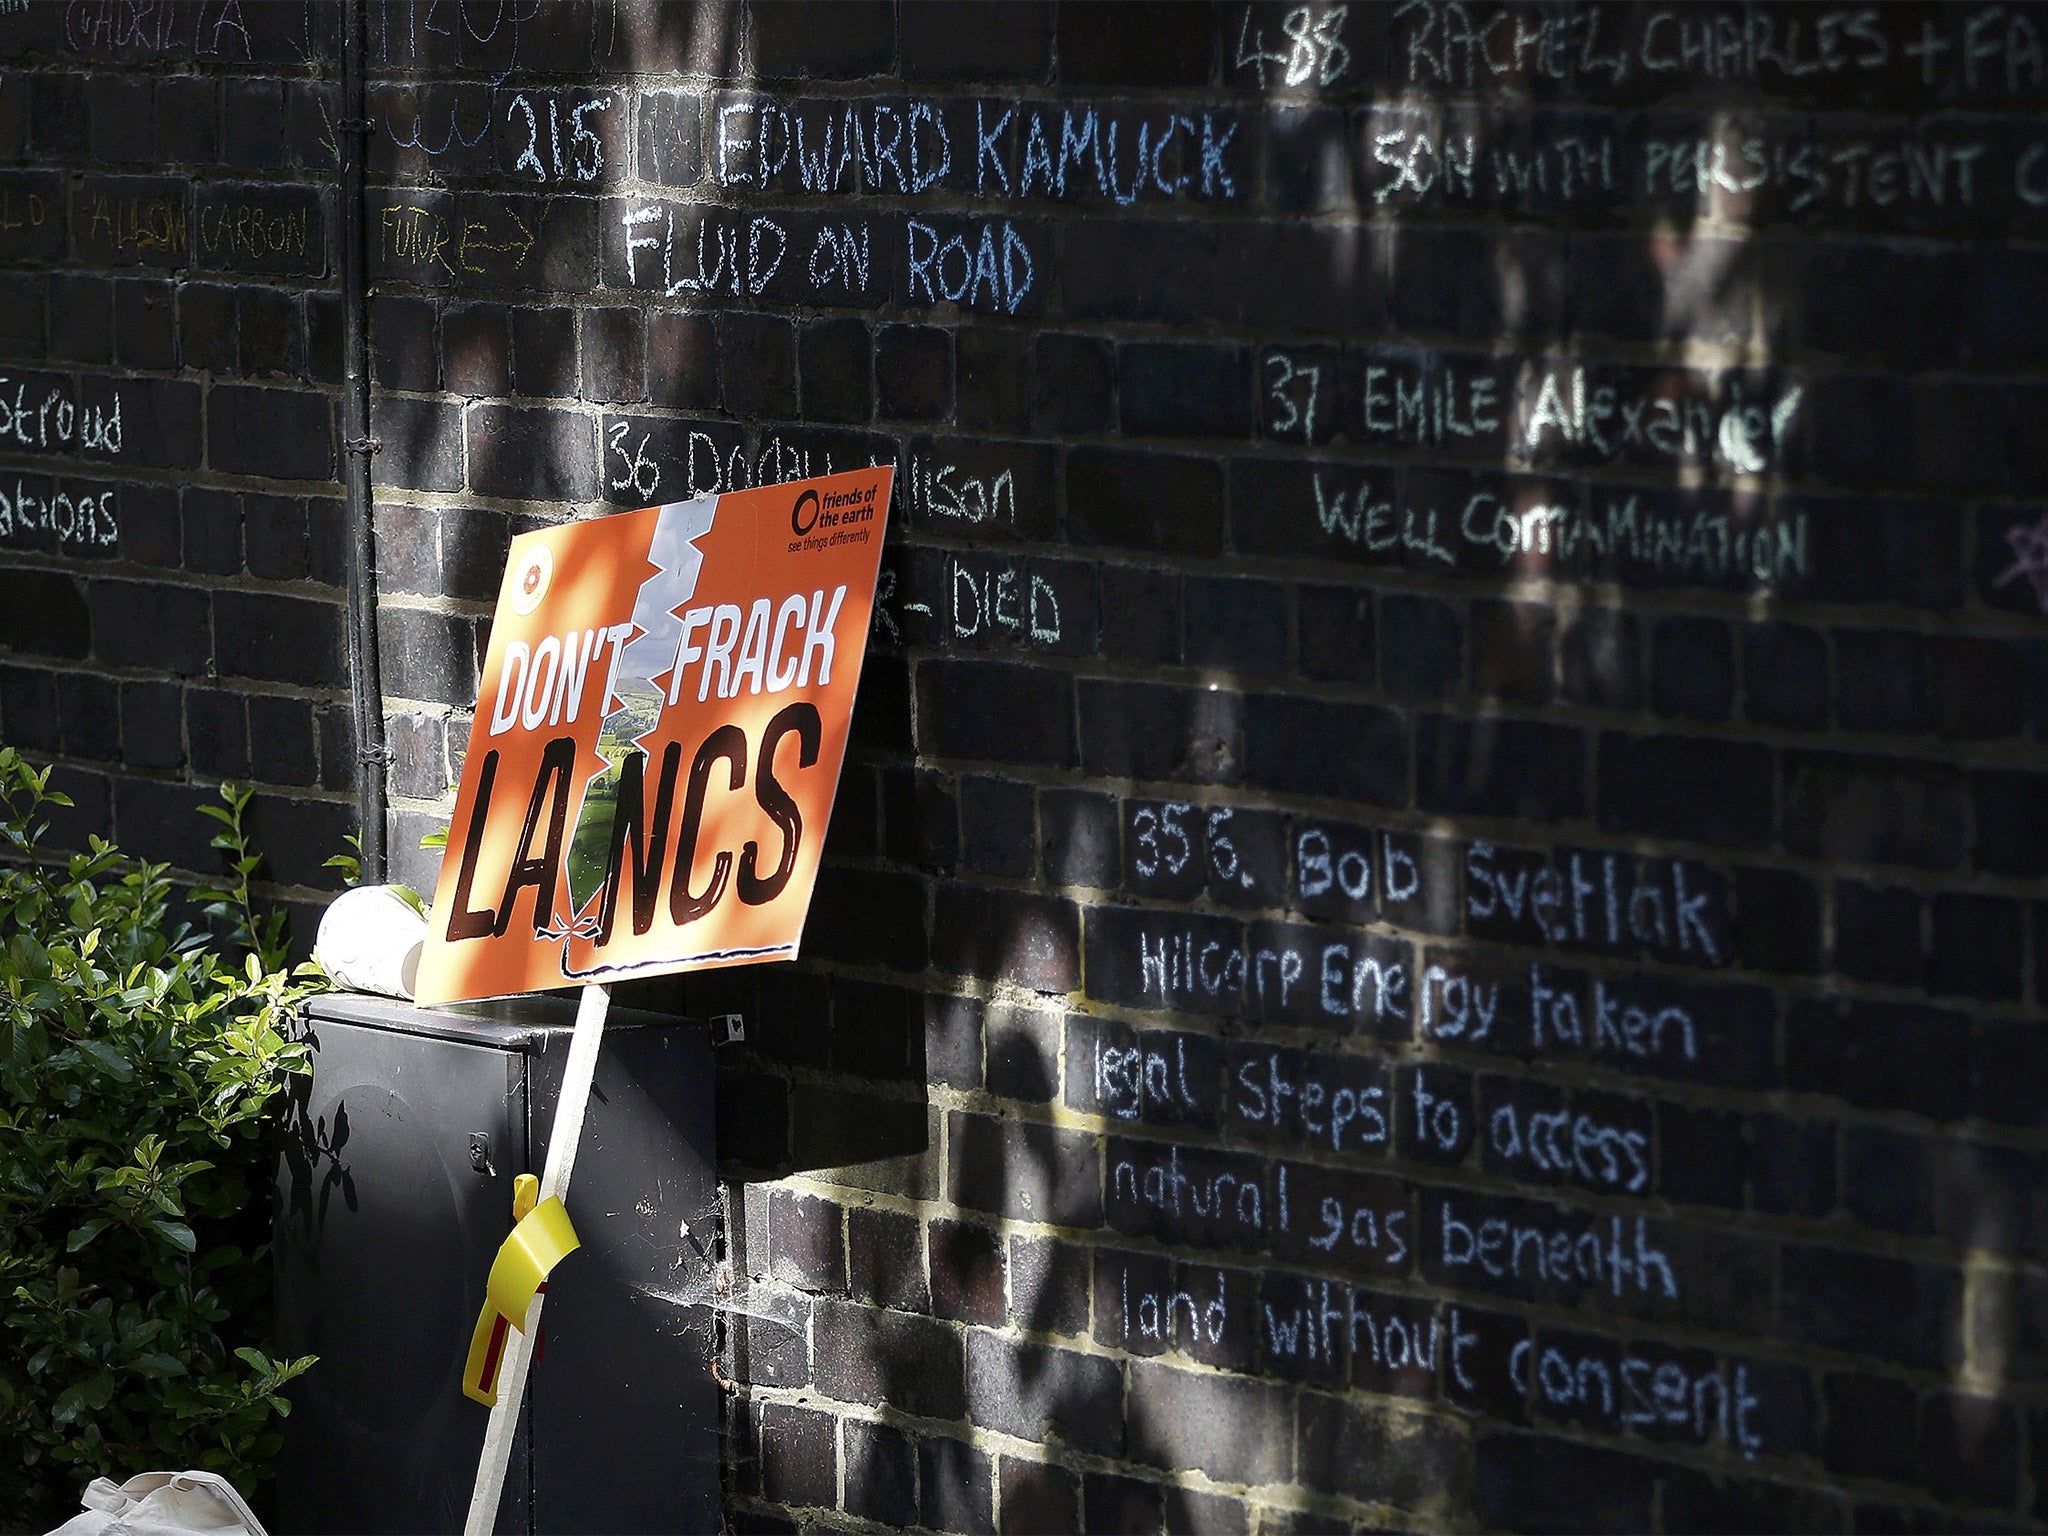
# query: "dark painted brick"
[[1145, 501], [920, 819], [865, 1355], [1037, 1496], [799, 1455], [1160, 731], [284, 433], [614, 353], [1499, 767], [427, 656], [81, 319], [1051, 1396], [218, 724], [1871, 1429], [757, 365], [46, 615], [1421, 646], [806, 1242], [1023, 1052], [1073, 384], [993, 386], [1867, 1304], [1532, 1483], [1138, 45], [1970, 1448], [1381, 1455], [913, 373], [2011, 813], [1079, 837], [1235, 1430], [998, 826], [1183, 389], [1785, 676], [284, 639], [881, 1474], [402, 350], [1141, 614], [955, 1487], [1670, 786], [1878, 1055], [1309, 746], [1122, 1505], [1027, 1172], [1976, 946], [1600, 660], [1336, 635], [534, 454], [1882, 810], [966, 1272], [144, 624], [1888, 1179], [1877, 933], [835, 362], [839, 42], [1031, 940], [421, 443], [1512, 648], [1777, 920], [1008, 712], [1235, 623], [152, 733], [1692, 669], [1792, 1166], [544, 352]]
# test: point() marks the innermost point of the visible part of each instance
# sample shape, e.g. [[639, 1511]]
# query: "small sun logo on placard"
[[531, 584]]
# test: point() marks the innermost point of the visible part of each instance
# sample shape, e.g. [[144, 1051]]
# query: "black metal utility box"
[[394, 1191]]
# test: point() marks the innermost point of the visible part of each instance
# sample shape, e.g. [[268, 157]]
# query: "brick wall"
[[1434, 919]]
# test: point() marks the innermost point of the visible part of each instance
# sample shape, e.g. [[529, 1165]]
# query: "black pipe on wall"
[[365, 683]]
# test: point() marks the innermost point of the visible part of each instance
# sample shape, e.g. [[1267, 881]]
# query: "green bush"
[[137, 1064]]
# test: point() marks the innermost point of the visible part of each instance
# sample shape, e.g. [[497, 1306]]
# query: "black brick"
[[284, 433], [534, 454], [281, 639], [45, 615], [1422, 646], [1026, 1172], [1159, 731], [1875, 809], [1139, 45], [1235, 623], [1878, 1055], [1032, 940], [835, 361], [1526, 769], [1785, 676], [913, 373], [1145, 501], [1670, 786], [1308, 746], [1183, 389], [2011, 812], [1004, 711], [865, 1355], [148, 624]]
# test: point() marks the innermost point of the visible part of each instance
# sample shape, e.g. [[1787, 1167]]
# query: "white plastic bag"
[[162, 1504]]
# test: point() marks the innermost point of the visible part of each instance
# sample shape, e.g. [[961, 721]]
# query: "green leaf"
[[177, 1234]]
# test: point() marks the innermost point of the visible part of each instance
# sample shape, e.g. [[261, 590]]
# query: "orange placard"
[[658, 737]]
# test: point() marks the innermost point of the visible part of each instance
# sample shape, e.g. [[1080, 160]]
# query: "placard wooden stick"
[[570, 1110]]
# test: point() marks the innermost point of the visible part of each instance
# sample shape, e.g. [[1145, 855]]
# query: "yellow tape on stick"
[[542, 1238]]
